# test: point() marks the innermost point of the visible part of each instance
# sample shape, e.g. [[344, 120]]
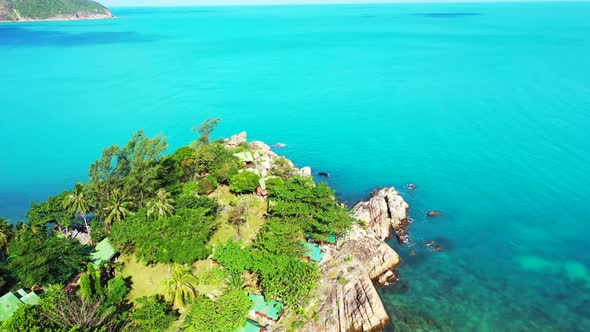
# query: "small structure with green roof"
[[252, 326], [245, 157], [10, 302], [313, 251], [332, 239], [103, 252], [271, 309]]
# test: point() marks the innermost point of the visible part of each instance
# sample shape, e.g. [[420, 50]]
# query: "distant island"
[[51, 10]]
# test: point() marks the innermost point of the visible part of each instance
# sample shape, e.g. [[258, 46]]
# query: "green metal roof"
[[9, 303], [251, 326], [103, 252], [331, 239], [30, 299], [244, 156], [271, 309], [313, 251]]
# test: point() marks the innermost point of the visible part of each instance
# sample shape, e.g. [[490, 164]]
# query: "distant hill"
[[33, 10]]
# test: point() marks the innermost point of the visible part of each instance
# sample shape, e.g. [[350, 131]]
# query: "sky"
[[129, 3]]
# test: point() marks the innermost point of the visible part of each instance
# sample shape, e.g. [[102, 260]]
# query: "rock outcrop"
[[236, 140], [264, 157], [386, 210], [348, 298]]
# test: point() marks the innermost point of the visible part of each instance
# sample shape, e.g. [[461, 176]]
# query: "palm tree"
[[118, 207], [77, 204], [161, 204], [180, 287]]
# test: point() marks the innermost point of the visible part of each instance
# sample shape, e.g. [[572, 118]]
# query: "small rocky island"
[[221, 235], [47, 10]]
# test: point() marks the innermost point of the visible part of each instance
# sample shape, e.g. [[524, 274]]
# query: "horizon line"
[[248, 3]]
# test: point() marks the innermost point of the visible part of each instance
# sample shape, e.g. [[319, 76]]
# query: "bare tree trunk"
[[87, 227]]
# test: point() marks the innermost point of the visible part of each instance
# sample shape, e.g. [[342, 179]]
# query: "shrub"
[[206, 185], [245, 182], [195, 202], [282, 168]]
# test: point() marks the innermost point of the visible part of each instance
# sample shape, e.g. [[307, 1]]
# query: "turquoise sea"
[[486, 107]]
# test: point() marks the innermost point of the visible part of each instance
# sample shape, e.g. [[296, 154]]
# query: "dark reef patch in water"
[[19, 36], [446, 15]]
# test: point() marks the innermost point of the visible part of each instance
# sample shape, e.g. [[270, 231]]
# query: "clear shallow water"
[[488, 114]]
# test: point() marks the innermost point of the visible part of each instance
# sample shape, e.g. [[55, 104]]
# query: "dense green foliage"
[[179, 238], [206, 185], [42, 9], [234, 258], [226, 313], [156, 208], [130, 173], [39, 259], [244, 182], [151, 314], [196, 202], [313, 207], [26, 319], [282, 168], [61, 311], [50, 211], [214, 159]]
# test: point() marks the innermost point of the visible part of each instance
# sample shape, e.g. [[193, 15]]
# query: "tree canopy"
[[179, 238], [39, 259]]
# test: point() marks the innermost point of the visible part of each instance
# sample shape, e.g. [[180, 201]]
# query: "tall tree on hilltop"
[[161, 205], [133, 167], [205, 129]]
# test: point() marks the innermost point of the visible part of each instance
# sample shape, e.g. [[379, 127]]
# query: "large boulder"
[[305, 171], [236, 140], [384, 211]]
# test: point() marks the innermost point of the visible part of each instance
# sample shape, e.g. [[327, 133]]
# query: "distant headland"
[[46, 10]]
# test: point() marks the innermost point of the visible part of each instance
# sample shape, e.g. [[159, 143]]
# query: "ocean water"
[[486, 107]]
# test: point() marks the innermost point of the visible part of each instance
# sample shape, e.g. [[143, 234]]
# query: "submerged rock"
[[432, 245], [433, 213], [279, 145]]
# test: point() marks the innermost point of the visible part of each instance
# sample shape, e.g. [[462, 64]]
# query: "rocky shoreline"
[[348, 298], [74, 17]]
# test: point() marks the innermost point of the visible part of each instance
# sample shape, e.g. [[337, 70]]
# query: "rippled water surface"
[[486, 107]]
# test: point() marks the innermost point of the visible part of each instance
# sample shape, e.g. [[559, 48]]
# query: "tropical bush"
[[244, 182]]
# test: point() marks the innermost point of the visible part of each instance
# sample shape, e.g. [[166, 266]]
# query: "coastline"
[[63, 18], [253, 3], [362, 260]]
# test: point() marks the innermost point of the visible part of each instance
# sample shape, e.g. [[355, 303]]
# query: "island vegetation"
[[27, 10], [198, 240]]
